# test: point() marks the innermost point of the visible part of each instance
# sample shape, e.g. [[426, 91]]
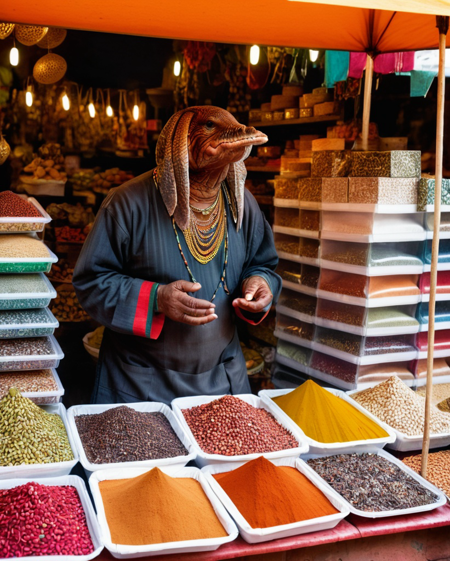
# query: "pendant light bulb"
[[109, 111], [14, 56], [136, 112], [29, 98], [65, 102], [254, 54], [313, 55], [177, 68], [91, 109]]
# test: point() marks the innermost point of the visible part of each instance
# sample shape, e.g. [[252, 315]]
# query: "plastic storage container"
[[294, 331], [441, 318], [21, 292], [20, 224], [299, 277], [294, 356], [373, 374], [297, 305], [441, 344], [442, 287], [26, 323], [441, 371], [286, 221], [309, 251], [287, 246], [48, 354], [310, 193], [376, 259], [41, 396], [370, 292], [444, 229], [309, 223], [443, 256], [24, 264], [286, 191]]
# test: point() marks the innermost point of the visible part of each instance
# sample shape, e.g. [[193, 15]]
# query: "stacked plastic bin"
[[29, 353], [441, 369], [349, 316]]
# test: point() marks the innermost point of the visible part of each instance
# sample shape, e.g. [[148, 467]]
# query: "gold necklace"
[[206, 211]]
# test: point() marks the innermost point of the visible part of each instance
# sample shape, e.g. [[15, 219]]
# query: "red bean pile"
[[232, 427], [42, 520], [13, 205]]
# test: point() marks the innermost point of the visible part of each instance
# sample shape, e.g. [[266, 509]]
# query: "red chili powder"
[[267, 495]]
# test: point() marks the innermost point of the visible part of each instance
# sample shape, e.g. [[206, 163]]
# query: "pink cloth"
[[383, 64], [357, 65]]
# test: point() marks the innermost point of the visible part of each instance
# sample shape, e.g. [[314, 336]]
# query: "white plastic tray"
[[442, 500], [369, 302], [39, 220], [439, 325], [372, 208], [289, 256], [280, 334], [422, 381], [439, 297], [170, 463], [440, 267], [405, 443], [310, 205], [374, 238], [438, 353], [51, 258], [370, 271], [285, 203], [297, 287], [294, 314], [45, 470], [50, 292], [363, 330], [350, 446], [51, 322], [204, 458], [365, 359], [258, 535], [46, 397], [56, 356], [91, 519], [286, 230], [444, 235], [188, 546]]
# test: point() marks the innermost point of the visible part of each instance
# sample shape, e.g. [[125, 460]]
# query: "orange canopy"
[[331, 24]]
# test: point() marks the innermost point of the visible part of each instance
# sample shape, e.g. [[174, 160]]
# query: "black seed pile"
[[122, 434]]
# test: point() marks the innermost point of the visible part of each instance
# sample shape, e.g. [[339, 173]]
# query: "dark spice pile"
[[122, 434], [15, 206], [371, 483], [232, 427], [26, 347]]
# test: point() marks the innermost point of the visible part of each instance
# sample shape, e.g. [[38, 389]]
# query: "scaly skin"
[[198, 148]]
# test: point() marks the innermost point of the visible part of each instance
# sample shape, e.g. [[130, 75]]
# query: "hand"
[[257, 295], [176, 304]]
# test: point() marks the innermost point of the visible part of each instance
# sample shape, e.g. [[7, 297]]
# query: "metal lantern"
[[6, 29], [5, 150], [30, 34], [53, 38], [49, 69]]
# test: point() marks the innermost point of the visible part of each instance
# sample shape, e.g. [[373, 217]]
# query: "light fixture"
[[254, 54], [29, 98], [136, 107], [91, 109], [14, 56], [313, 55], [109, 109], [65, 101], [177, 68]]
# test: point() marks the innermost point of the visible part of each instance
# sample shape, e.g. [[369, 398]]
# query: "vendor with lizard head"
[[173, 257]]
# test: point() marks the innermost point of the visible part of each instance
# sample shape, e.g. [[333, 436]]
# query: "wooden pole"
[[442, 24], [367, 102]]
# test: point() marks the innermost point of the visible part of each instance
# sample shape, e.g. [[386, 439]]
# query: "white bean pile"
[[401, 408]]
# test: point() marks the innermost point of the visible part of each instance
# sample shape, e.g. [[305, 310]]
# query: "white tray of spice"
[[325, 447], [63, 521], [53, 469], [258, 535], [42, 387], [225, 440], [15, 224], [95, 434], [366, 484], [405, 409], [150, 488]]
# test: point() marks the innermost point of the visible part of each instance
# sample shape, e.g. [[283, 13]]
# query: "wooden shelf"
[[264, 199], [300, 121], [264, 169]]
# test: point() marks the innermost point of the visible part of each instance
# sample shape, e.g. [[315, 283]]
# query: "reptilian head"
[[198, 139]]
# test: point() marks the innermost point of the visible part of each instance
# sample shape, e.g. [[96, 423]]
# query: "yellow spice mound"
[[325, 417]]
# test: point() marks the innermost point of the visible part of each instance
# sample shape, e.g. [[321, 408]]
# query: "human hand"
[[176, 304], [257, 295]]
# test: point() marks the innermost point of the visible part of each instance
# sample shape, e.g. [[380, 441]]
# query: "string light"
[[136, 107], [313, 55], [29, 98], [177, 68], [65, 101], [254, 54], [14, 56], [91, 109], [109, 109]]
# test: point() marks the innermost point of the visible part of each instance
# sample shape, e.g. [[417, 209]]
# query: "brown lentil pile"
[[231, 427], [26, 347], [28, 382], [343, 283], [342, 313], [11, 205], [340, 340], [401, 408], [438, 471], [122, 434], [371, 483], [351, 253], [21, 246], [30, 435]]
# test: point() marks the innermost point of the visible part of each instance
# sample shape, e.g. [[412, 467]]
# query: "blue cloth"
[[421, 82], [336, 67]]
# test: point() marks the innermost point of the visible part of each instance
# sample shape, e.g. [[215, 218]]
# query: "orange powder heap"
[[157, 508], [267, 495]]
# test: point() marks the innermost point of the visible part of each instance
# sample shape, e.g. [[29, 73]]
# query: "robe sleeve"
[[110, 296], [261, 258]]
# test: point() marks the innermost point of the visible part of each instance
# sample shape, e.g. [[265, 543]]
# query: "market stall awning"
[[266, 22]]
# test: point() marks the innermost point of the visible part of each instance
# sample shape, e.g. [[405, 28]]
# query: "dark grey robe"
[[133, 242]]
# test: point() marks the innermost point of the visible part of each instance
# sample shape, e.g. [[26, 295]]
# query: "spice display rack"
[[25, 294], [369, 239]]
